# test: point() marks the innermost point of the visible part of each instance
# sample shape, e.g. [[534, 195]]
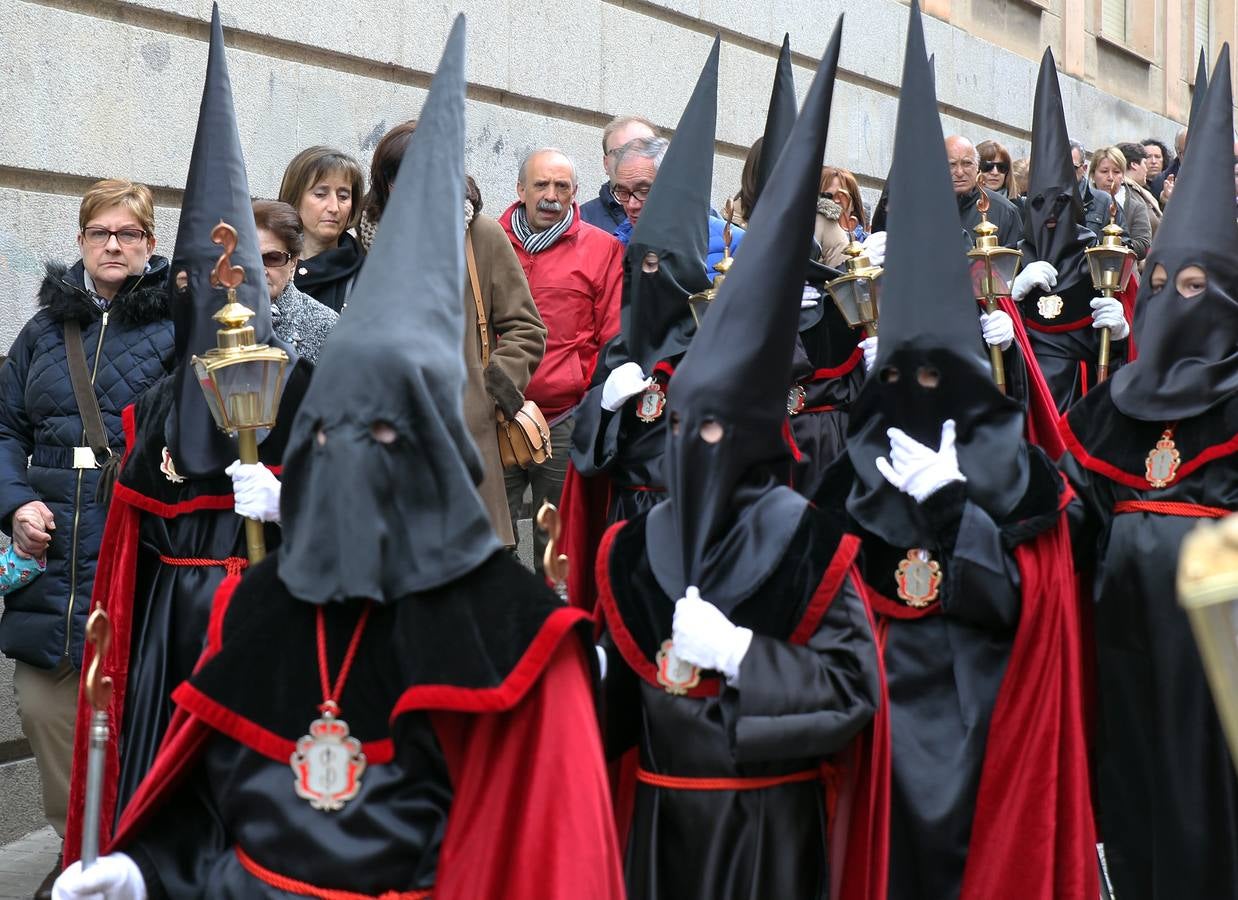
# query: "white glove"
[[869, 346], [1108, 312], [809, 298], [1038, 274], [875, 248], [997, 329], [601, 662], [703, 636], [255, 491], [919, 470], [622, 383], [112, 877]]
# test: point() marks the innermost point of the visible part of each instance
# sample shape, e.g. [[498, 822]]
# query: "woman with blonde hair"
[[325, 186], [840, 186], [1107, 172]]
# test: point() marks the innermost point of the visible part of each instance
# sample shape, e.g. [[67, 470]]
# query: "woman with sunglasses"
[[296, 317], [995, 168], [49, 474]]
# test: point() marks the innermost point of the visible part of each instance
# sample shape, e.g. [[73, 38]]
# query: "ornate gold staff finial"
[[99, 634], [554, 563]]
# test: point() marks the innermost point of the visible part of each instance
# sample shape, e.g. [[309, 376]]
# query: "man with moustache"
[[575, 274]]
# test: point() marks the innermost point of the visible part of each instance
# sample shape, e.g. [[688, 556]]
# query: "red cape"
[[583, 509], [1042, 415], [516, 830]]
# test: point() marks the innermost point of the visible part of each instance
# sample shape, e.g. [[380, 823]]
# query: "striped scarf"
[[537, 241]]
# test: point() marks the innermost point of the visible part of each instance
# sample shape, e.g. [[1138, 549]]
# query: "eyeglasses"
[[273, 259], [96, 236], [993, 165], [623, 195]]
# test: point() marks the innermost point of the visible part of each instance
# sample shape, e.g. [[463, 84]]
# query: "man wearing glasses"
[[964, 164], [635, 168], [604, 211]]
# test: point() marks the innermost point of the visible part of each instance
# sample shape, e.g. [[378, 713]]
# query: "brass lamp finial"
[[722, 267]]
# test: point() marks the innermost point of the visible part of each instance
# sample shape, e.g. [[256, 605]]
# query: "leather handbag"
[[523, 440]]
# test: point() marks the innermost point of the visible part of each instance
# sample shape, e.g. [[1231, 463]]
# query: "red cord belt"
[[292, 886], [1168, 508], [678, 783], [234, 565]]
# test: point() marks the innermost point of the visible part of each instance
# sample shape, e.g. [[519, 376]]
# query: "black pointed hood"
[[927, 331], [1197, 93], [364, 517], [1188, 346], [1053, 229], [726, 521], [780, 118], [674, 225], [215, 191]]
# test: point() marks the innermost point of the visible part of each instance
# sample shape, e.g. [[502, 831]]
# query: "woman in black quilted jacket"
[[49, 475]]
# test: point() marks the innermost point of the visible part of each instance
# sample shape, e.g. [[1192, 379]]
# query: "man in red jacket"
[[575, 273]]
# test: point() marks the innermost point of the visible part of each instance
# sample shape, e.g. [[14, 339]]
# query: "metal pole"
[[255, 538]]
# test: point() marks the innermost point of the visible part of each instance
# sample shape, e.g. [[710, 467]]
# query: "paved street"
[[24, 862]]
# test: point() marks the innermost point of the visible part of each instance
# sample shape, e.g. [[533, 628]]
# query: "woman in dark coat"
[[325, 187], [48, 477]]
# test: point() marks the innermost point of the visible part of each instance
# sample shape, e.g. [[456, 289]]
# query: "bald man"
[[964, 164]]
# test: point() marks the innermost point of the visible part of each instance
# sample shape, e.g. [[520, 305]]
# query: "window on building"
[[1203, 24], [1113, 19]]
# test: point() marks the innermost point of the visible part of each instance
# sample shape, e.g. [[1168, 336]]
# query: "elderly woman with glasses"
[[109, 311], [296, 317]]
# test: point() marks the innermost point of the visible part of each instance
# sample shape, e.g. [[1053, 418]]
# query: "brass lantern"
[[242, 380], [1111, 263], [993, 268], [857, 292], [1208, 591], [699, 302]]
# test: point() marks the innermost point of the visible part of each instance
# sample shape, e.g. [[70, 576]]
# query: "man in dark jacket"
[[575, 273], [604, 211], [964, 164], [48, 476]]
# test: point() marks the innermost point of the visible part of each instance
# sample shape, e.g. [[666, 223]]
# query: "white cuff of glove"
[[702, 635], [875, 248], [1036, 274], [998, 329], [112, 877], [1108, 312], [869, 346], [255, 491], [625, 382]]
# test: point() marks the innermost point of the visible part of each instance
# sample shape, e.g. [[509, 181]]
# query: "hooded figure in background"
[[172, 534], [620, 430], [1060, 308], [1151, 452], [737, 694], [965, 565], [457, 721]]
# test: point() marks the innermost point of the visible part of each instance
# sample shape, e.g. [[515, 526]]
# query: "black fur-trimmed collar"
[[140, 301]]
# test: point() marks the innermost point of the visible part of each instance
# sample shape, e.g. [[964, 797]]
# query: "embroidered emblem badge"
[[1050, 306], [1163, 460], [796, 398], [327, 764], [651, 403], [918, 578], [677, 676], [169, 469]]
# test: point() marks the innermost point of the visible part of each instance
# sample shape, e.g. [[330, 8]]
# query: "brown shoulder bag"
[[525, 440]]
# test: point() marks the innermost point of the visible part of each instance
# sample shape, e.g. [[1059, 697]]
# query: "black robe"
[[619, 444], [432, 673], [1167, 792], [944, 668], [806, 688], [1002, 213]]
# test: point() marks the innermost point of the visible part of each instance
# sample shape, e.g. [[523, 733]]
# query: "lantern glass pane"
[[213, 400], [249, 391]]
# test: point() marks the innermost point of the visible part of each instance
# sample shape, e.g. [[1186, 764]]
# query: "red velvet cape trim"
[[1077, 325], [583, 506], [845, 368], [1042, 417], [1139, 482]]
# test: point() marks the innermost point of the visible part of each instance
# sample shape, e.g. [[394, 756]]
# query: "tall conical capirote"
[[1198, 92], [1188, 345], [736, 375], [674, 226], [216, 190], [380, 474], [930, 366], [780, 118], [1053, 229]]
